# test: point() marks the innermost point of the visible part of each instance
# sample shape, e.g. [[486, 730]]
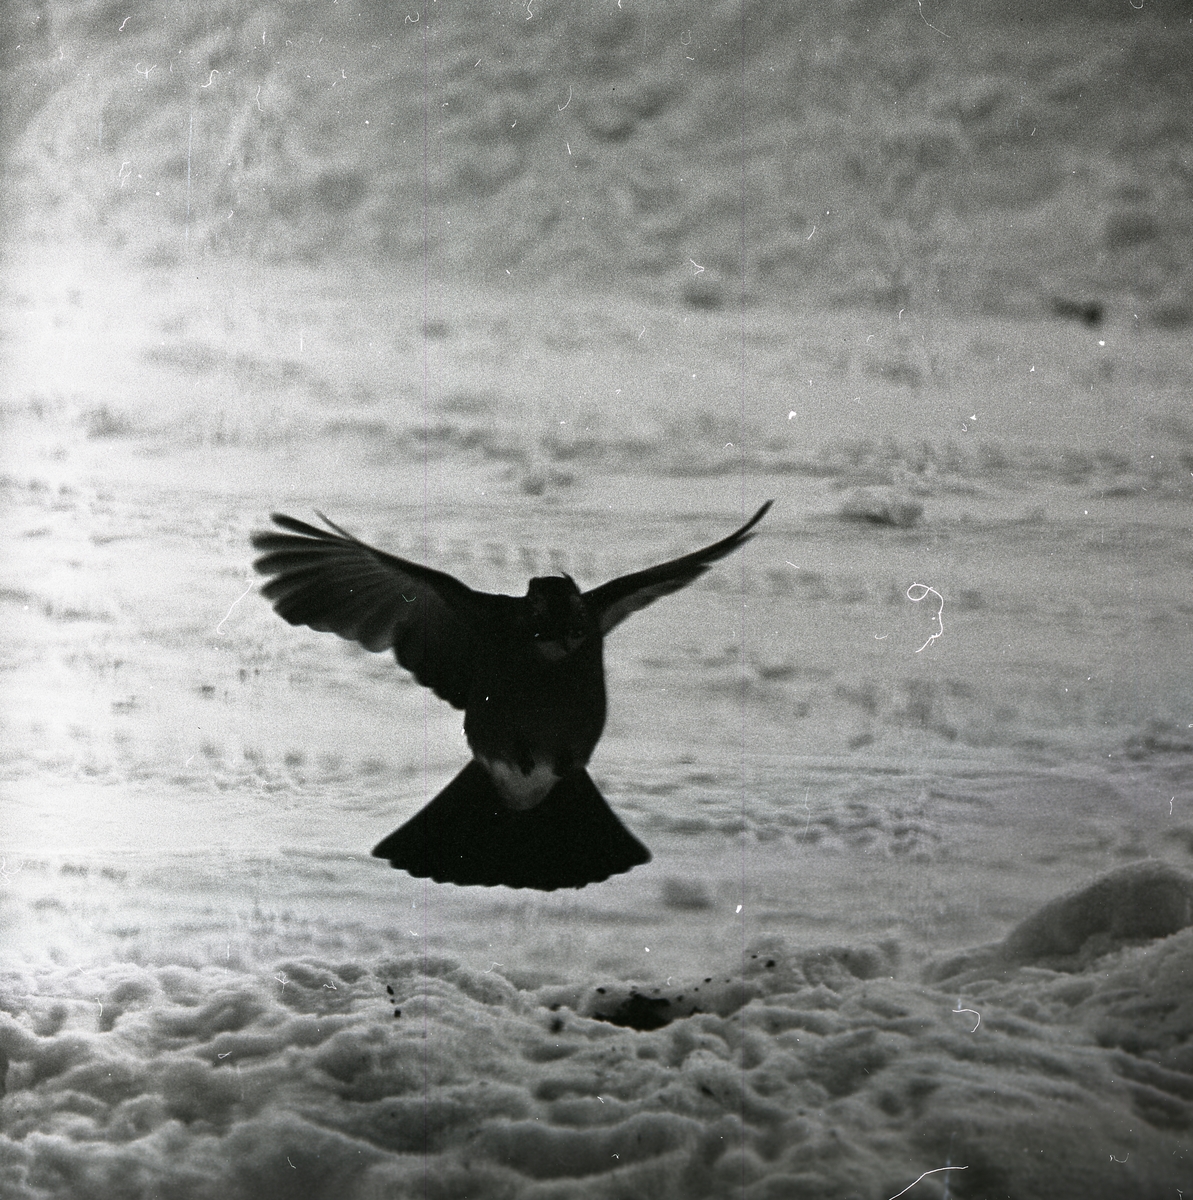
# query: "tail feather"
[[467, 836]]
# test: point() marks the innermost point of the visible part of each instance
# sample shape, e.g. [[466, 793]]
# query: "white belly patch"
[[519, 791]]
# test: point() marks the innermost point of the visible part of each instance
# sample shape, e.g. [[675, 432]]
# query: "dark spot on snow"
[[1089, 312], [638, 1012]]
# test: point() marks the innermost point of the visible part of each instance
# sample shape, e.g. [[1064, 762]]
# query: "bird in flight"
[[528, 673]]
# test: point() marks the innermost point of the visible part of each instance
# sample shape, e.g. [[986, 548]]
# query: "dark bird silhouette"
[[529, 675]]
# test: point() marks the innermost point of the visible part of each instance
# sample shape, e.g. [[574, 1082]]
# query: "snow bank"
[[1020, 171], [794, 1073]]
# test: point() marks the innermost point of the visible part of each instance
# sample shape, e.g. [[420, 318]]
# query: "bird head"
[[559, 619]]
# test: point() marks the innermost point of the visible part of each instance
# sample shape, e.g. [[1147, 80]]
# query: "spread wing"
[[612, 602], [334, 583]]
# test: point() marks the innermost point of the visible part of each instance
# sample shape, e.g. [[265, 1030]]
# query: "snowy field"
[[846, 793], [553, 287]]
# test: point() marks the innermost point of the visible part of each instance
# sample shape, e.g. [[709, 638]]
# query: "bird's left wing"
[[612, 602], [335, 583]]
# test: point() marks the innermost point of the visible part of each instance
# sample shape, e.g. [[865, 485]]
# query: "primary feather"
[[334, 583], [612, 602]]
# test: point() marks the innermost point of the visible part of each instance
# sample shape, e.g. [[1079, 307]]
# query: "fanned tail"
[[467, 836]]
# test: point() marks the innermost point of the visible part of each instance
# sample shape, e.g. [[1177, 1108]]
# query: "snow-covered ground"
[[542, 287], [211, 989]]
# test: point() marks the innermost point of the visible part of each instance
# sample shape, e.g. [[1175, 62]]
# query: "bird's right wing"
[[334, 583], [612, 602]]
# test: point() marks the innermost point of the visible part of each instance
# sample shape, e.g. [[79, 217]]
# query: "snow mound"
[[796, 1073]]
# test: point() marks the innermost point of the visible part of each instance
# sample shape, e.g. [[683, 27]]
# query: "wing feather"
[[612, 602], [335, 583]]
